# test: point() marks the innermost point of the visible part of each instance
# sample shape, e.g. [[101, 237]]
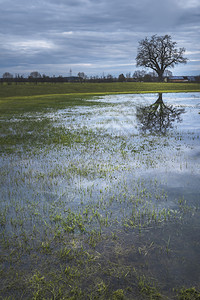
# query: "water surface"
[[127, 168]]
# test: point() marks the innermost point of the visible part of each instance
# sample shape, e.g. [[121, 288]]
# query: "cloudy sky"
[[92, 36]]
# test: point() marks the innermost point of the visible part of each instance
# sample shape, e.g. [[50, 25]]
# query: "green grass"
[[63, 240], [22, 104], [31, 89], [17, 98]]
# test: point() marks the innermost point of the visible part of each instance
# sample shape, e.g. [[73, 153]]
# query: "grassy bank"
[[31, 89], [16, 98]]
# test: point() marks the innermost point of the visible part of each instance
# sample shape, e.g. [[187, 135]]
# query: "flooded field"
[[101, 201]]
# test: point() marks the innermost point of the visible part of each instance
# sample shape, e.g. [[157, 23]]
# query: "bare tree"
[[35, 74], [82, 75], [159, 53], [7, 75], [121, 78], [139, 74]]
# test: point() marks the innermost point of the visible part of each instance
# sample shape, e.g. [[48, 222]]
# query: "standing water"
[[102, 200]]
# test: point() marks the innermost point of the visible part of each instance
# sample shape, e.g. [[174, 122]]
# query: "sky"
[[97, 37]]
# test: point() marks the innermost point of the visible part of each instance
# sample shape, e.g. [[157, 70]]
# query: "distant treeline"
[[53, 79], [94, 79], [138, 76]]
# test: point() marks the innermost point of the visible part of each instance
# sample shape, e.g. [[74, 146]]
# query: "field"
[[31, 89], [30, 96], [99, 191]]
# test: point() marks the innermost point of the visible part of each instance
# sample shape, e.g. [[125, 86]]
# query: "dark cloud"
[[91, 35]]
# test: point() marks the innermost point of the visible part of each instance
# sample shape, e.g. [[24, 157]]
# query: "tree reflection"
[[158, 117]]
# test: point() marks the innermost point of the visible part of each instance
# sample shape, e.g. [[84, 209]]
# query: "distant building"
[[192, 78], [180, 79]]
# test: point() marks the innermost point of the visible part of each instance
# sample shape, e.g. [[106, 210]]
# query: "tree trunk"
[[160, 75]]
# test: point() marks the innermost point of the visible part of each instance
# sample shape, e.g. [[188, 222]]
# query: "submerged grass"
[[21, 104], [76, 220]]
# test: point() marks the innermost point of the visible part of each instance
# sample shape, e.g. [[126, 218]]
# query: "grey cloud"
[[41, 16], [86, 32]]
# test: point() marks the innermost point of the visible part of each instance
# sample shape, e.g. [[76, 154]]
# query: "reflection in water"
[[87, 200], [158, 117]]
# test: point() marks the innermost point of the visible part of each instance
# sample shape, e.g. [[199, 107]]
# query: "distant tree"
[[147, 78], [128, 75], [109, 76], [139, 74], [35, 74], [18, 76], [45, 76], [7, 75], [159, 53], [82, 75], [121, 78], [168, 73]]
